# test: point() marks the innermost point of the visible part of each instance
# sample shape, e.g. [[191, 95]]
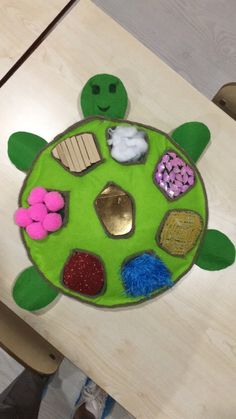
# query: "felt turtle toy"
[[112, 212]]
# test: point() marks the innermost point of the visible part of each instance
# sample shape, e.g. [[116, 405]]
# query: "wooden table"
[[21, 22], [173, 357]]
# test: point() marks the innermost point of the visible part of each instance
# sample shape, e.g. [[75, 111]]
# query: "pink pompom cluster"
[[173, 175], [42, 216]]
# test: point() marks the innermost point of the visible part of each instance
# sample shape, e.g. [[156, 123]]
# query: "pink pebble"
[[162, 184], [169, 166], [174, 187], [52, 222], [36, 231], [22, 217], [184, 188], [185, 178], [166, 158], [179, 161], [54, 201], [176, 169], [160, 167], [191, 180], [172, 176], [189, 170], [171, 193], [38, 212], [174, 162], [179, 177], [177, 192], [166, 177], [179, 184], [172, 154], [36, 196]]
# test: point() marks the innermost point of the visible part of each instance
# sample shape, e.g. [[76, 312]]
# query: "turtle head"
[[105, 95]]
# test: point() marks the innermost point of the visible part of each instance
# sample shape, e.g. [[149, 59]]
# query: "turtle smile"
[[105, 109]]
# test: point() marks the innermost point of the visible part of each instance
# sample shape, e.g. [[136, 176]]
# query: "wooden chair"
[[20, 341], [225, 98]]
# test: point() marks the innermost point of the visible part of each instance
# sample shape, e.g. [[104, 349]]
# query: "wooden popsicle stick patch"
[[82, 149], [79, 165], [77, 153], [91, 148]]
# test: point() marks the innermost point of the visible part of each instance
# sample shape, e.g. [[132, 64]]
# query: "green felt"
[[217, 251], [84, 230], [31, 292], [97, 99], [23, 147], [193, 137]]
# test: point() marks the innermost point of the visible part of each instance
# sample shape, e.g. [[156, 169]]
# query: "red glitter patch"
[[84, 273]]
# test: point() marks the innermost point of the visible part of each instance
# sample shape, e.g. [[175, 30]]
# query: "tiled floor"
[[62, 392]]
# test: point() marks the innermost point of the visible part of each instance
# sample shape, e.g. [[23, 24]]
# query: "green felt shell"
[[83, 229]]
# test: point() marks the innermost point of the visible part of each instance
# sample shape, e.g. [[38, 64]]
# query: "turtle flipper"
[[217, 251], [23, 147], [31, 292], [193, 137]]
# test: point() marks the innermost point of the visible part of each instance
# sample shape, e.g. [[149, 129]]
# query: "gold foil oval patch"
[[115, 210]]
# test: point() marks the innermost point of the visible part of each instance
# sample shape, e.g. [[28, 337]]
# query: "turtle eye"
[[95, 89], [112, 88]]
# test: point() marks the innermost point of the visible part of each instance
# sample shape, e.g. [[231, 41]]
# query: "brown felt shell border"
[[123, 236], [157, 237], [101, 118], [162, 190], [129, 163], [88, 169], [104, 270]]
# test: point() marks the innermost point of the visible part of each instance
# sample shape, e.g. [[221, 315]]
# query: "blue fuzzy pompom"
[[144, 274]]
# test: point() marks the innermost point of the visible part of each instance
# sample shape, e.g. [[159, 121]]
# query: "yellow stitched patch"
[[179, 231]]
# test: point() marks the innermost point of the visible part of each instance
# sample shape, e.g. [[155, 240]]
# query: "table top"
[[172, 357], [192, 37], [21, 23]]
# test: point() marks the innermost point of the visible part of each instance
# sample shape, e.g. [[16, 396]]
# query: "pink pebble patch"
[[52, 222], [36, 196], [36, 231], [22, 217], [38, 212], [54, 201], [173, 175]]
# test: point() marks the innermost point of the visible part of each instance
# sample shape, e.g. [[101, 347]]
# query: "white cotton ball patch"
[[127, 144]]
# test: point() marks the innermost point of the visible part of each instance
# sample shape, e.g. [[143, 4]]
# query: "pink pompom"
[[37, 195], [52, 222], [38, 212], [22, 217], [54, 201], [36, 231]]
